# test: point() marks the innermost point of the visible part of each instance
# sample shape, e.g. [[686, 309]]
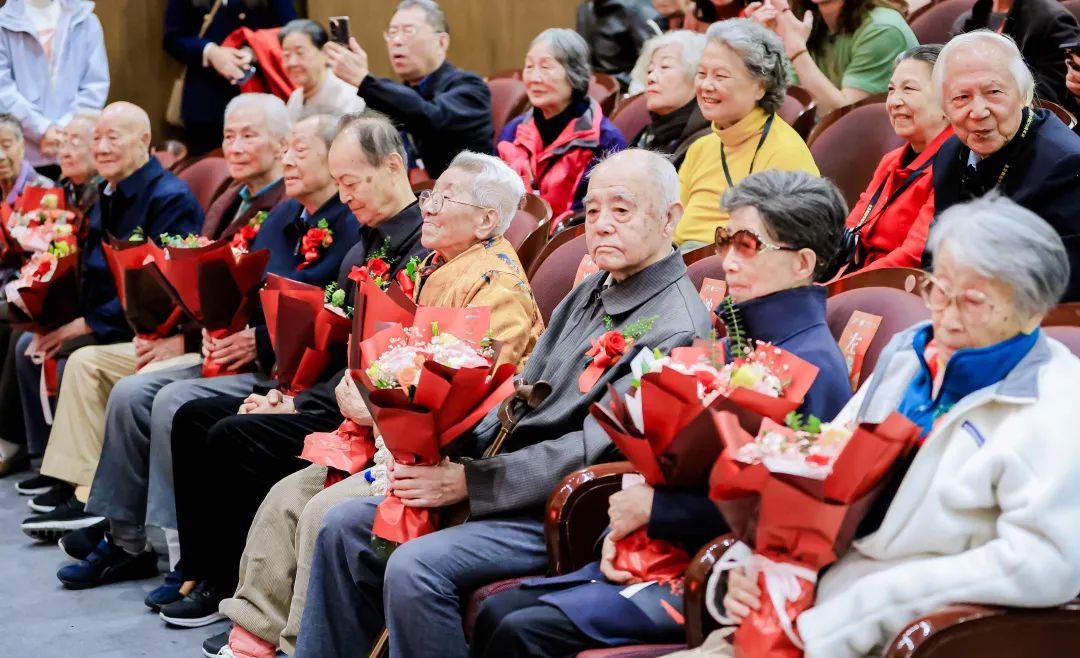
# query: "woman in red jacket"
[[893, 215]]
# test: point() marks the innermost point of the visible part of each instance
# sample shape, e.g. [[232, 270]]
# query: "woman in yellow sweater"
[[741, 82]]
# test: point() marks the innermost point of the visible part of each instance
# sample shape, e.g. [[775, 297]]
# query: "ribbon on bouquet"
[[781, 584], [49, 382]]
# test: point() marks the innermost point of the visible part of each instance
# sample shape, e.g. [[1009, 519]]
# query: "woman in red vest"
[[555, 143]]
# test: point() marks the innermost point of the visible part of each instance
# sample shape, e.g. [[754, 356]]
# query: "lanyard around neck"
[[895, 194], [761, 142]]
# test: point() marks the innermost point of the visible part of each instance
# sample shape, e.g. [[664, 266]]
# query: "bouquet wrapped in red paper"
[[307, 326], [39, 219], [149, 308], [45, 295], [425, 386], [796, 493], [215, 285]]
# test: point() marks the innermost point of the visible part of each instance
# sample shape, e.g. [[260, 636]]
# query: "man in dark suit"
[[631, 209], [253, 140], [212, 69], [441, 109], [1004, 144]]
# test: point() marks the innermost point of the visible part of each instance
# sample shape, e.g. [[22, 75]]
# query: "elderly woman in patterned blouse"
[[471, 264]]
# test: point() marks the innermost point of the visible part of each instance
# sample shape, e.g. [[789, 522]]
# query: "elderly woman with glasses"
[[740, 83], [993, 481], [553, 145], [665, 74], [779, 242]]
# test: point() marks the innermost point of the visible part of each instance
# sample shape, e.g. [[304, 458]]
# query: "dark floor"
[[40, 619]]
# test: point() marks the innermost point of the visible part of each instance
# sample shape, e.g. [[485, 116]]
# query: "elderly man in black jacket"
[[631, 210], [441, 109], [1002, 143]]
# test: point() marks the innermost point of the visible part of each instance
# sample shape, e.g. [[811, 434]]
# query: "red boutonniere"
[[316, 239], [243, 238], [407, 277], [610, 347], [377, 267]]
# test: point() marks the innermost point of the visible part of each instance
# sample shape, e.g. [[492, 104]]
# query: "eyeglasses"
[[406, 32], [973, 305], [434, 201], [747, 244]]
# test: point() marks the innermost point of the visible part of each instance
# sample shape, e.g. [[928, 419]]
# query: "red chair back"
[[1069, 335], [207, 179], [554, 278], [1060, 112], [933, 23], [557, 241], [631, 116], [521, 227], [799, 111], [848, 144], [898, 310], [900, 278], [711, 267], [508, 100], [604, 89], [1067, 314]]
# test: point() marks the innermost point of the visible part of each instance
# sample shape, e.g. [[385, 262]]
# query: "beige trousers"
[[274, 571], [78, 430]]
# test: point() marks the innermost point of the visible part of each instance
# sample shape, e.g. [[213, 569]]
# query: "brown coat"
[[488, 274], [221, 220]]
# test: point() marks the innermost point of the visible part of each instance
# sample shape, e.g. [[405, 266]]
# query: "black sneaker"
[[108, 563], [168, 592], [212, 646], [57, 495], [78, 545], [53, 525], [199, 608], [36, 485]]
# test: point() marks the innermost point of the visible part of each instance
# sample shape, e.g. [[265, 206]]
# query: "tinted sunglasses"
[[746, 243]]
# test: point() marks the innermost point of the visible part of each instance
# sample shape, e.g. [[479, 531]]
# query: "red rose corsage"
[[316, 239], [243, 238], [610, 347]]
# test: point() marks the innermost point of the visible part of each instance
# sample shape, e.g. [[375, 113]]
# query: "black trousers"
[[517, 624], [224, 464], [11, 413]]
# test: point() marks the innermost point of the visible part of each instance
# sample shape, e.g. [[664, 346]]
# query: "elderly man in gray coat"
[[632, 208]]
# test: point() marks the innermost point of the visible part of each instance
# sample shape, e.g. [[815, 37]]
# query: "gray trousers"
[[134, 480], [421, 587]]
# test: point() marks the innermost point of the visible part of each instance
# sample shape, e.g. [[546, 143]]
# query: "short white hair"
[[495, 185], [662, 174], [1002, 240], [273, 109], [691, 45], [981, 39]]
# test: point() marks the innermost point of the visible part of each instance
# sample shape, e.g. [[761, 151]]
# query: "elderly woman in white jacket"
[[987, 510]]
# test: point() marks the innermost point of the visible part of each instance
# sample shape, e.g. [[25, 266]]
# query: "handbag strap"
[[209, 18]]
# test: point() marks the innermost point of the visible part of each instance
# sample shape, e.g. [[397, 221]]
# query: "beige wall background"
[[485, 36]]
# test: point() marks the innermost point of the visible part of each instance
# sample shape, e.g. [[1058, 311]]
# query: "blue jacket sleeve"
[[182, 39], [465, 102], [685, 517]]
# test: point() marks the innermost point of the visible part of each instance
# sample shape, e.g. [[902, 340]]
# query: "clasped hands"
[[233, 351], [49, 344], [628, 510]]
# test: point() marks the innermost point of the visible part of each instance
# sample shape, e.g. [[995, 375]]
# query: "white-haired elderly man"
[[255, 130], [1003, 143], [986, 512], [631, 210], [472, 264]]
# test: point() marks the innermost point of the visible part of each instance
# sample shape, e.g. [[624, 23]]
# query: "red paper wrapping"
[[349, 448], [374, 310], [786, 366], [801, 520], [148, 307], [216, 288], [445, 404], [50, 304], [304, 333]]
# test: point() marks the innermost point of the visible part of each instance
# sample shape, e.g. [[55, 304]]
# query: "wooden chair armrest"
[[967, 629], [577, 514], [699, 623]]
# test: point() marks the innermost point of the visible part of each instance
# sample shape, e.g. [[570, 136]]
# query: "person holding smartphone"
[[318, 90]]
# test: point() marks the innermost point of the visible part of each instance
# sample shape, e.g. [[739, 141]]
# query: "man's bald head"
[[121, 141]]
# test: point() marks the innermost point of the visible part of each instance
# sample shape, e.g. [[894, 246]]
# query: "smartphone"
[[249, 73], [339, 30], [1071, 48]]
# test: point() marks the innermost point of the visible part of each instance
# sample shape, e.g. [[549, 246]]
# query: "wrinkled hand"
[[793, 32], [629, 510], [743, 595], [51, 342], [607, 564], [1072, 77], [349, 64], [350, 403], [149, 351], [232, 351], [50, 141], [273, 402], [429, 486], [764, 13], [230, 63]]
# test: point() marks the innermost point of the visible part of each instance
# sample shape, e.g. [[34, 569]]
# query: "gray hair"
[[762, 53], [326, 127], [273, 108], [11, 123], [571, 51], [433, 13], [927, 53], [495, 185], [1003, 43], [690, 43], [313, 30], [376, 135], [1000, 239], [662, 175], [799, 209]]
